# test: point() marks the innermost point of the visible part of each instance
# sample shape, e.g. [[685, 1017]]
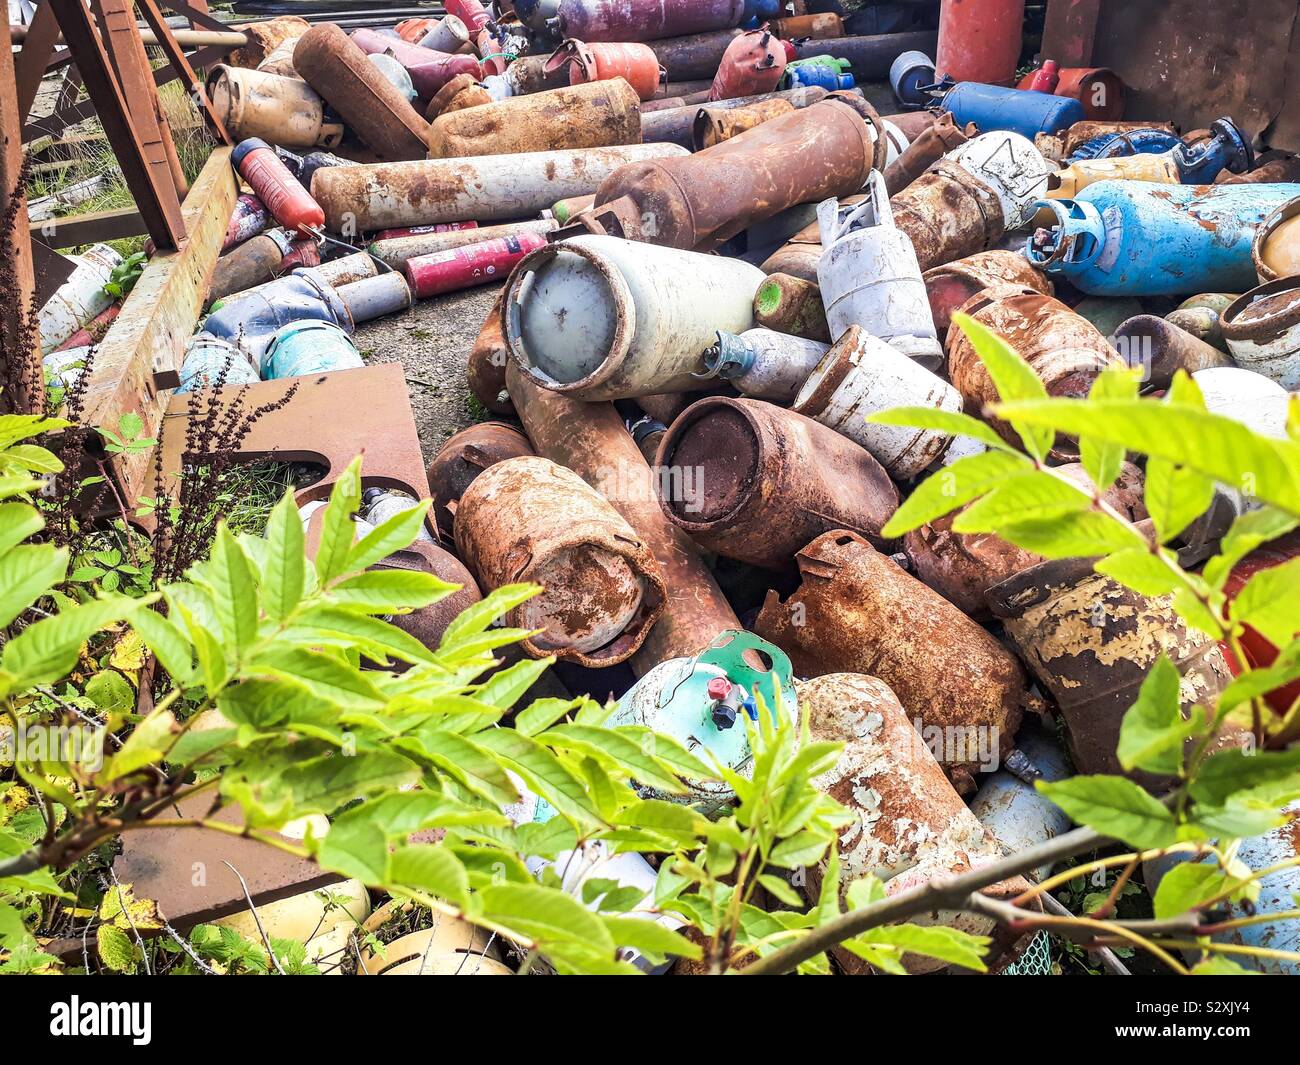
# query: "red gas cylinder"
[[473, 264], [415, 231], [412, 29], [753, 63], [980, 40], [289, 203], [471, 12], [1259, 652], [1044, 79], [636, 64]]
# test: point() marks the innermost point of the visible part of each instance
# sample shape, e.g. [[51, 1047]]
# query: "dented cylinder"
[[281, 110], [371, 107], [763, 364], [1090, 642], [715, 125], [909, 824], [862, 375], [949, 215], [530, 520], [462, 458], [485, 371], [581, 116], [858, 611], [828, 149], [397, 251], [952, 284], [490, 188], [591, 440], [767, 480], [646, 20], [792, 305], [1160, 350], [753, 63], [1064, 350], [604, 318]]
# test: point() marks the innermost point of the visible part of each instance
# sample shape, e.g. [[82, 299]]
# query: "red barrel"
[[636, 64], [474, 264], [980, 40], [289, 203], [470, 12], [415, 231], [752, 64]]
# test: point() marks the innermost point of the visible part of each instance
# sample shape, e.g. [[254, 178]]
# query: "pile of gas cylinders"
[[716, 258]]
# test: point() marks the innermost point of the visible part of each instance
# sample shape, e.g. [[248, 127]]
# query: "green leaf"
[[109, 691], [167, 643], [623, 750], [392, 535], [344, 627], [1138, 568], [541, 714], [285, 569], [1236, 772], [1186, 886], [322, 785], [17, 522], [1079, 535], [1248, 532], [543, 772], [545, 916], [467, 762], [390, 590], [1012, 377], [33, 458], [1153, 730], [432, 868], [27, 573], [650, 938], [234, 594], [506, 686], [1175, 497], [1115, 807], [338, 530], [116, 949], [781, 891], [1101, 460], [326, 677], [1030, 496], [476, 618], [47, 650], [1269, 603], [1218, 965], [932, 941], [944, 421], [146, 745], [953, 487], [802, 849]]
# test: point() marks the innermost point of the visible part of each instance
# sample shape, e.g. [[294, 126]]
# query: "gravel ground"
[[432, 341]]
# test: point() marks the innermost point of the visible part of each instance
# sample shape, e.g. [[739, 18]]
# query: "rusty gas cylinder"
[[427, 624], [949, 214], [529, 520], [462, 458], [828, 149], [713, 125], [752, 63], [635, 63], [792, 305], [935, 141], [486, 368], [441, 100], [1090, 641], [795, 258], [798, 27], [253, 262], [1276, 247], [756, 482], [909, 823], [1064, 350], [594, 115], [284, 111], [858, 611], [1160, 349], [370, 105], [428, 70], [952, 284], [645, 20], [399, 249], [962, 567]]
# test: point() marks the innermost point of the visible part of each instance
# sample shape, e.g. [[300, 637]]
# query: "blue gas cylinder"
[[992, 107], [309, 347], [1142, 238], [823, 71]]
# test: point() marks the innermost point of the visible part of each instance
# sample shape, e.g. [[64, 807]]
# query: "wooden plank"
[[1070, 31], [90, 228], [157, 319], [25, 356]]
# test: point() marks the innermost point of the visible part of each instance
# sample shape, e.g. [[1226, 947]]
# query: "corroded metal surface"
[[441, 100], [767, 480], [531, 520], [396, 251], [428, 623], [486, 367], [645, 20], [828, 149], [857, 611], [792, 305], [940, 137], [948, 214], [593, 115], [1089, 641], [429, 70], [695, 55], [910, 824], [591, 440], [1161, 349], [714, 125], [371, 106], [952, 284], [463, 457]]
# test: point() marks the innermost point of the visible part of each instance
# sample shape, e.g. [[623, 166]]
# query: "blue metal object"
[[209, 360], [992, 107], [1133, 142], [909, 74], [823, 71], [1141, 238], [536, 13], [309, 348], [1228, 149], [1277, 895], [756, 13]]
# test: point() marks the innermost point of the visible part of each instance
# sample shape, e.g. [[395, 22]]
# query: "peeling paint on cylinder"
[[753, 63], [594, 115], [646, 20], [962, 567], [462, 458], [858, 611], [1161, 349], [1262, 329], [792, 305], [1276, 247], [949, 215], [1064, 350], [951, 285], [909, 824], [819, 27], [363, 198], [486, 367], [676, 124], [1012, 167], [715, 125], [370, 106], [862, 375], [1090, 641], [529, 520], [764, 481], [635, 63], [797, 259], [591, 440], [828, 149], [603, 318]]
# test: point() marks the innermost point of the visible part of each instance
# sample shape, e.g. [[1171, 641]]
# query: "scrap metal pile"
[[718, 260]]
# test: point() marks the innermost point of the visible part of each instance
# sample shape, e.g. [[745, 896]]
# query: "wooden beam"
[[1070, 31], [157, 319], [90, 228], [22, 354]]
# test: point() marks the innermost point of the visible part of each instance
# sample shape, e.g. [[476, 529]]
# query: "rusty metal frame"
[[176, 58]]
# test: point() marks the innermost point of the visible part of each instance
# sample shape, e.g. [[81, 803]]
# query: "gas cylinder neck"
[[1228, 149], [1075, 241], [731, 357]]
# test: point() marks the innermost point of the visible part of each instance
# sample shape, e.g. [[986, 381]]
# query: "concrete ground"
[[432, 341]]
